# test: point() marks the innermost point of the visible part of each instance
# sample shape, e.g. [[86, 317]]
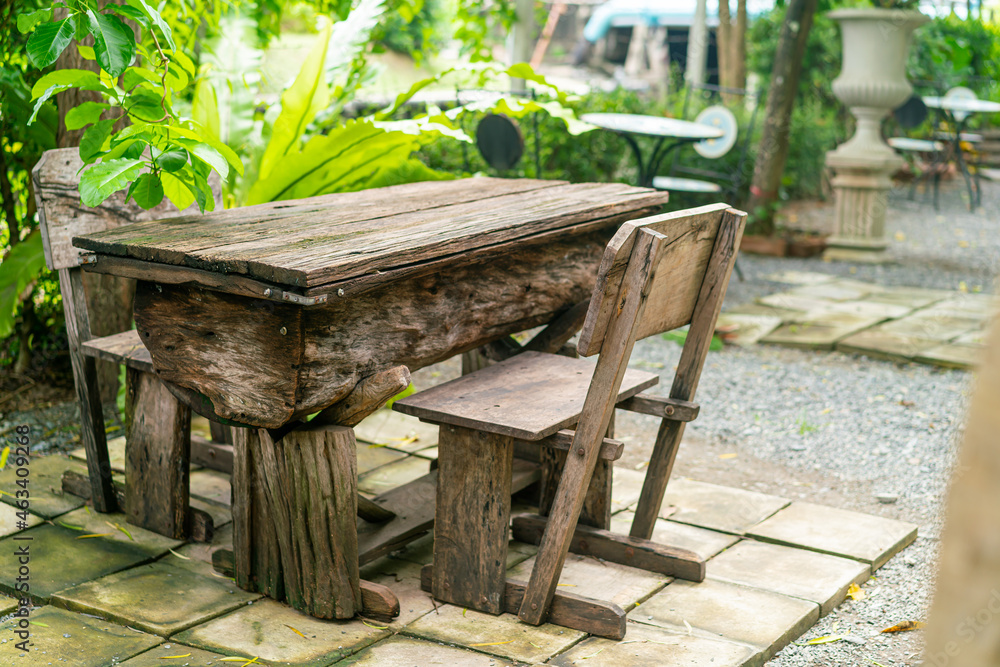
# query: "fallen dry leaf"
[[905, 626], [509, 641], [825, 639], [855, 592], [730, 455]]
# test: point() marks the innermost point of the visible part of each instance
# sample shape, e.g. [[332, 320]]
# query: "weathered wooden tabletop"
[[406, 275]]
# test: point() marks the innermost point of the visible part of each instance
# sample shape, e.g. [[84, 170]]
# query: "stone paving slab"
[[396, 430], [913, 297], [264, 630], [706, 543], [158, 598], [793, 302], [647, 645], [211, 485], [763, 310], [864, 537], [421, 551], [409, 652], [744, 330], [59, 560], [715, 507], [626, 487], [953, 355], [221, 515], [881, 344], [403, 577], [765, 620], [11, 523], [372, 456], [88, 522], [429, 453], [395, 474], [63, 638], [864, 309], [817, 577], [168, 654], [838, 290], [973, 337], [45, 480], [583, 575], [823, 332], [930, 325], [801, 278], [504, 635], [7, 605], [116, 454]]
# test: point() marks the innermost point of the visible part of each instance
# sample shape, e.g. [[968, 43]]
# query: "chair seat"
[[121, 348], [675, 184], [916, 145], [529, 396]]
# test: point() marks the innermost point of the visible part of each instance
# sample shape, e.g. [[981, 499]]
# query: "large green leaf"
[[103, 179], [156, 19], [49, 40], [114, 42], [300, 103], [93, 140], [18, 269], [176, 191], [345, 160], [27, 22], [350, 36], [85, 114], [147, 190], [67, 78]]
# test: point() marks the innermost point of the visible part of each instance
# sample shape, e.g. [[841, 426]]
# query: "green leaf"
[[67, 78], [114, 42], [93, 140], [209, 156], [19, 268], [349, 158], [86, 52], [103, 179], [176, 78], [177, 191], [130, 13], [156, 19], [135, 75], [145, 105], [130, 148], [49, 92], [85, 114], [300, 103], [48, 41], [172, 160], [27, 22], [205, 107], [147, 190]]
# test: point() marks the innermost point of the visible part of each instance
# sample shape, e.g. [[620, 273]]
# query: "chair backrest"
[[700, 244], [56, 178]]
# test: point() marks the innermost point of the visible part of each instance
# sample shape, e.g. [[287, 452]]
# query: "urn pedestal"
[[871, 84]]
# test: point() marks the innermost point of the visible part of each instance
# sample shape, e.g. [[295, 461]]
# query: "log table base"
[[294, 518]]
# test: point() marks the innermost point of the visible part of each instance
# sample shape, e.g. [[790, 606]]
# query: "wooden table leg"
[[294, 518], [471, 524], [157, 456]]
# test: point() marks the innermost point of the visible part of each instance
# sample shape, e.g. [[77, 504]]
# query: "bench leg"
[[596, 510], [295, 518], [87, 392], [157, 456], [472, 516]]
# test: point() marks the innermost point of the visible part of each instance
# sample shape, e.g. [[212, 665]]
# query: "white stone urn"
[[871, 84]]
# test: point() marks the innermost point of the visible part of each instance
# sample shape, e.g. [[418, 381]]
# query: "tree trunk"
[[738, 55], [773, 150], [723, 45], [109, 298], [694, 68]]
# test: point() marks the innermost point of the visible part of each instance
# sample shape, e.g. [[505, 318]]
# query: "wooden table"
[[263, 315], [675, 131]]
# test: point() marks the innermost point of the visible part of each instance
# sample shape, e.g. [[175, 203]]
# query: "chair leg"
[[661, 464], [472, 517], [157, 456], [87, 391]]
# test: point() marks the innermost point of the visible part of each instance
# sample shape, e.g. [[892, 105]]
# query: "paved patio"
[[112, 594], [824, 312]]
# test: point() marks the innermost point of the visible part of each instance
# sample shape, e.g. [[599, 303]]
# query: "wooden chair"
[[158, 434], [657, 274]]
